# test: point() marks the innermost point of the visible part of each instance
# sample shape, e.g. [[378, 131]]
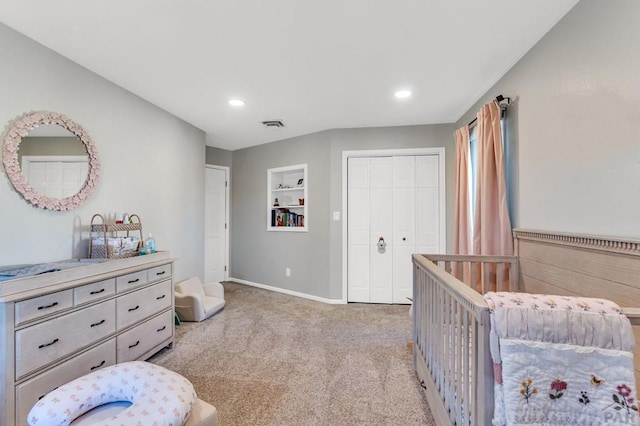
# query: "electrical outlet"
[[287, 272]]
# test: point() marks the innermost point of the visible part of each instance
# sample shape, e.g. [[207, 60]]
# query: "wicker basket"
[[105, 251], [98, 252]]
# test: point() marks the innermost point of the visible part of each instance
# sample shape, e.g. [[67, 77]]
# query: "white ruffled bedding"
[[561, 361]]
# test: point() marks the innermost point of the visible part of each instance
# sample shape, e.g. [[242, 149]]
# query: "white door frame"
[[439, 151], [227, 191]]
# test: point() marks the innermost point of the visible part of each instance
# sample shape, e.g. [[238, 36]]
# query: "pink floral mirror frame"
[[21, 128]]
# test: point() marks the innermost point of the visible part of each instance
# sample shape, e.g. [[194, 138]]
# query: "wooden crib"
[[451, 319]]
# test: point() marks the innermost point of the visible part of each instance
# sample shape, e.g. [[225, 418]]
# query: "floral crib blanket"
[[561, 361]]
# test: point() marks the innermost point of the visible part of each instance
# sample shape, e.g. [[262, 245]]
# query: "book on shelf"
[[286, 218]]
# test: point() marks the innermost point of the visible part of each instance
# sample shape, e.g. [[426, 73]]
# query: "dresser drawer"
[[129, 281], [46, 342], [94, 291], [37, 307], [141, 304], [29, 392], [159, 273], [134, 343]]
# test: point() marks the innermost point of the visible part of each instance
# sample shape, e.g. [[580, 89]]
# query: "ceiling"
[[314, 65]]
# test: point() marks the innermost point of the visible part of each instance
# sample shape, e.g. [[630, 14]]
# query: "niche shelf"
[[287, 201]]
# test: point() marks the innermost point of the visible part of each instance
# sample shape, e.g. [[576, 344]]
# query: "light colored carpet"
[[273, 359]]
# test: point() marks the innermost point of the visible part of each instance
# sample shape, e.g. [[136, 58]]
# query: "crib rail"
[[481, 273], [451, 332]]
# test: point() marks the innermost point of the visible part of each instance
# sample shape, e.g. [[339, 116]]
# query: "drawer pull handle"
[[161, 273], [134, 345], [44, 345], [99, 365], [97, 323], [160, 297], [160, 329], [47, 306], [97, 291], [133, 309], [133, 281]]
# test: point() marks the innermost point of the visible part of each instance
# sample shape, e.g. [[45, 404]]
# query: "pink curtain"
[[461, 230], [491, 225]]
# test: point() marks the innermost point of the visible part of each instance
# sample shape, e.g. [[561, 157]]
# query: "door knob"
[[381, 244]]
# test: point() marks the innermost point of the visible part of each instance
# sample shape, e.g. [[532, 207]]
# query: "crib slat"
[[446, 356], [459, 367], [452, 354], [467, 378], [474, 372]]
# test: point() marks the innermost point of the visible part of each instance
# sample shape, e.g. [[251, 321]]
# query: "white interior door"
[[216, 246], [397, 199]]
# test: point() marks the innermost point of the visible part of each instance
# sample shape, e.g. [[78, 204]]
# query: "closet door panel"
[[404, 226], [381, 213], [427, 171], [359, 216], [381, 274], [404, 172], [427, 208], [403, 273], [359, 273], [427, 235]]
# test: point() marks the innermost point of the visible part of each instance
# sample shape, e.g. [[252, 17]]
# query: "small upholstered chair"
[[196, 301]]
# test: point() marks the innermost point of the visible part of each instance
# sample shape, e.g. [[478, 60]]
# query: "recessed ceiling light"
[[401, 94], [236, 102]]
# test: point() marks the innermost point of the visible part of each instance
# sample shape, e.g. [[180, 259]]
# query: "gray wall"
[[260, 256], [152, 162], [315, 258], [218, 156], [574, 125]]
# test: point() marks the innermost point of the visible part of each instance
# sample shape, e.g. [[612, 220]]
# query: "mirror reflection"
[[17, 153], [53, 161]]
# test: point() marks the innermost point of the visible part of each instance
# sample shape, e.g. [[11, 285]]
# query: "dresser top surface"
[[31, 280]]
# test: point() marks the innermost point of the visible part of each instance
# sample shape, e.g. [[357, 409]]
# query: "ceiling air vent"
[[273, 123]]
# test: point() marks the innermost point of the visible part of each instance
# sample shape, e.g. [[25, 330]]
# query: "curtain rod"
[[503, 107]]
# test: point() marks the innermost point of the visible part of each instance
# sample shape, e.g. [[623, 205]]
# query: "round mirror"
[[51, 160]]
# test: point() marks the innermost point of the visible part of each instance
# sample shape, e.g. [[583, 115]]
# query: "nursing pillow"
[[158, 396]]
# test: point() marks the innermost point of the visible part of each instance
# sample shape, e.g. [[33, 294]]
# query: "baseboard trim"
[[289, 292]]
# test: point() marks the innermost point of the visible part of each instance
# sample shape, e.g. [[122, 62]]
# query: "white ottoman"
[[134, 392]]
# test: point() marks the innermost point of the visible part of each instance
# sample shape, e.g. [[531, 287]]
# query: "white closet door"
[[359, 273], [381, 213], [396, 199], [428, 206], [404, 226]]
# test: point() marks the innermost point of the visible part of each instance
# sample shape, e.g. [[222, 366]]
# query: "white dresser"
[[61, 325]]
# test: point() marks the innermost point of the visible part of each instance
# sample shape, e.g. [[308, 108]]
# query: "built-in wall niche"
[[287, 201]]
